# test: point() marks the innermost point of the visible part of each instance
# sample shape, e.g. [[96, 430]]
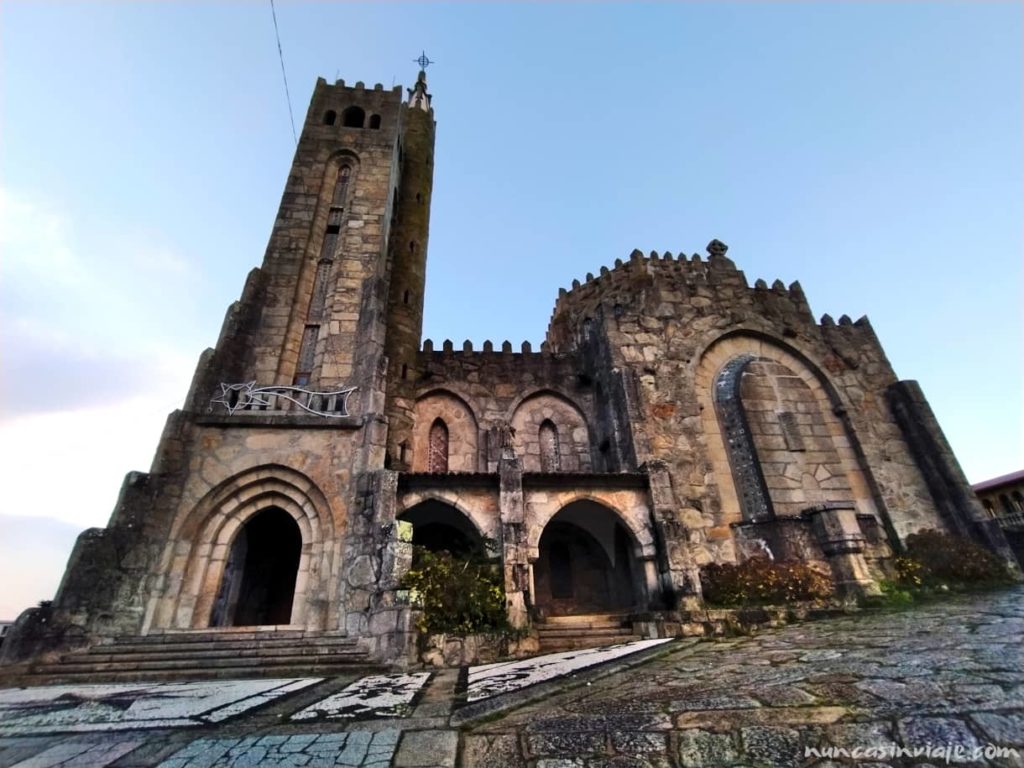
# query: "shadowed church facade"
[[675, 416]]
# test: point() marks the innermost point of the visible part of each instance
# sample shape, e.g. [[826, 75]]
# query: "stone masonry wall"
[[660, 315], [488, 391]]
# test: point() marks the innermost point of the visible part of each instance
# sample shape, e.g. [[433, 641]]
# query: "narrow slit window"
[[550, 451], [341, 188], [437, 457], [307, 351], [319, 299]]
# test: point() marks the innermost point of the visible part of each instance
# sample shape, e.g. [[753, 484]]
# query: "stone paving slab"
[[110, 707], [489, 680], [374, 696], [364, 749], [77, 753], [942, 680], [944, 677]]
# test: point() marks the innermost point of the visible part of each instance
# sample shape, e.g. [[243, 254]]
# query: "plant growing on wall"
[[457, 596]]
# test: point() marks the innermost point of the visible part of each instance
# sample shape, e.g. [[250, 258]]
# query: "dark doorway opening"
[[441, 527], [586, 563], [258, 586]]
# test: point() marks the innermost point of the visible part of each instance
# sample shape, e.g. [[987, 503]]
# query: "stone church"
[[675, 416]]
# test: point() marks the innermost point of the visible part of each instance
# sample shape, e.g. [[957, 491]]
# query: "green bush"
[[894, 595], [457, 596], [935, 559], [760, 581]]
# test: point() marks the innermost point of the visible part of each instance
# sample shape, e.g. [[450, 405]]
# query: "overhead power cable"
[[280, 56]]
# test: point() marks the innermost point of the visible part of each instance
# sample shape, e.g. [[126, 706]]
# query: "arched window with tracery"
[[437, 447], [550, 452]]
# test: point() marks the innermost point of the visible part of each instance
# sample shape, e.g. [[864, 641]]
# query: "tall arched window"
[[550, 452], [437, 447], [751, 489], [341, 188], [318, 297]]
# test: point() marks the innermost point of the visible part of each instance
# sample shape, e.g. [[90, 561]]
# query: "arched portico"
[[439, 526], [587, 563]]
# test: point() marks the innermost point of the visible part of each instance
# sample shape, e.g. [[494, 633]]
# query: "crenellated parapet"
[[467, 348], [642, 283]]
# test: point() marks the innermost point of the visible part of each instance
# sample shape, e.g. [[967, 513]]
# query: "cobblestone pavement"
[[947, 675]]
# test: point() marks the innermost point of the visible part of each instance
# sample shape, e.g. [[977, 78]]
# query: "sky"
[[870, 150]]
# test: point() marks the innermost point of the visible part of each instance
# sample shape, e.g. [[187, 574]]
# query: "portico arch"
[[587, 563], [439, 526]]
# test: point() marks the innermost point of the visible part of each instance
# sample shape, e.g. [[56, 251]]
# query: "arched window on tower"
[[550, 451], [341, 188], [374, 122], [329, 117], [437, 447], [353, 117]]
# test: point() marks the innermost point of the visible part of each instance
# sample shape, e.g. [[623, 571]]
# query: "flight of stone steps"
[[204, 655], [567, 633]]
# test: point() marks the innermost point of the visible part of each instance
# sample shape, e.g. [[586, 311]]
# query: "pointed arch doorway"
[[258, 585]]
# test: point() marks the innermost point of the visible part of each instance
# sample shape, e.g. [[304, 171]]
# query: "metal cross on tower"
[[423, 61]]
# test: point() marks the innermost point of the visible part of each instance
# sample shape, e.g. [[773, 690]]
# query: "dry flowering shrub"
[[935, 559], [760, 581]]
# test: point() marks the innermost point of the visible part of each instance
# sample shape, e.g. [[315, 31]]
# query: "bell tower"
[[337, 304]]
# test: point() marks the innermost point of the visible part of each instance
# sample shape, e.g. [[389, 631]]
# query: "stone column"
[[838, 533], [680, 580], [378, 552], [513, 538]]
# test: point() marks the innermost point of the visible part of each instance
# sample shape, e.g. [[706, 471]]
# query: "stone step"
[[578, 643], [231, 645], [221, 635], [189, 664], [187, 655], [554, 632], [587, 620], [100, 654], [55, 673], [588, 630]]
